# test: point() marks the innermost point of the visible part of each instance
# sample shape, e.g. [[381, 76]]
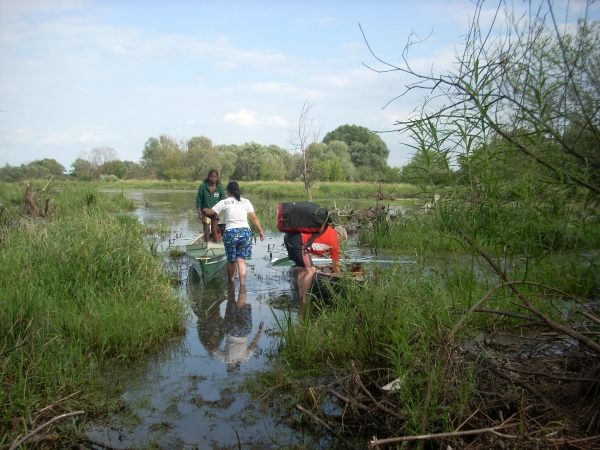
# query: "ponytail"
[[234, 188]]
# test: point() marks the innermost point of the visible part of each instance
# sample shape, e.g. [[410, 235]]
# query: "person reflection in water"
[[210, 329], [237, 326]]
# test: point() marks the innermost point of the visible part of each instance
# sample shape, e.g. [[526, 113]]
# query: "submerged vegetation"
[[79, 286]]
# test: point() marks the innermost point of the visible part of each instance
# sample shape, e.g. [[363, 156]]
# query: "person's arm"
[[256, 222], [214, 210], [254, 342], [335, 258], [199, 202]]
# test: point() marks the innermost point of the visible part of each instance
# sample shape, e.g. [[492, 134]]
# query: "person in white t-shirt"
[[238, 235]]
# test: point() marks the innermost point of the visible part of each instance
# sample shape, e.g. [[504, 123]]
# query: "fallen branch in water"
[[589, 343], [323, 424], [494, 368], [547, 375], [347, 400], [366, 391], [590, 316], [41, 427], [424, 437]]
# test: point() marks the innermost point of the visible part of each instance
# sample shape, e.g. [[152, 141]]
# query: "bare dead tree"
[[301, 139]]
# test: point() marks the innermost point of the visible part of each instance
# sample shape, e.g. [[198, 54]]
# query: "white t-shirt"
[[237, 212], [236, 350]]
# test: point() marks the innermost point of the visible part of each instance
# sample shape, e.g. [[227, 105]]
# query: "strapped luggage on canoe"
[[302, 217]]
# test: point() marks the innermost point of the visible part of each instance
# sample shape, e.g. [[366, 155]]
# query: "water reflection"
[[186, 399], [213, 329], [238, 325]]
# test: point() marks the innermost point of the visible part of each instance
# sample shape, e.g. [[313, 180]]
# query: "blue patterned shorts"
[[237, 321], [238, 243]]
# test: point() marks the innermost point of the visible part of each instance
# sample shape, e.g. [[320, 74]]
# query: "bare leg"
[[305, 279], [214, 228], [242, 270], [230, 270], [242, 297]]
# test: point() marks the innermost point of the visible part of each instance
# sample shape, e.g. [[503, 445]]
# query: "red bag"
[[301, 217]]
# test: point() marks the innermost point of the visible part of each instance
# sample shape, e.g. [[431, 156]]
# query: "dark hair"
[[234, 188], [210, 172]]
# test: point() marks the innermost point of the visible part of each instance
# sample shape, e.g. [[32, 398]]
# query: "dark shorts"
[[295, 248], [238, 243], [213, 217]]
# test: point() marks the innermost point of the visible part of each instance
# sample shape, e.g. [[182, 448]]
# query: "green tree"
[[48, 166], [166, 158], [201, 157], [153, 153], [248, 163], [116, 168], [365, 147], [228, 155], [133, 170], [11, 173], [339, 149], [82, 169], [275, 164]]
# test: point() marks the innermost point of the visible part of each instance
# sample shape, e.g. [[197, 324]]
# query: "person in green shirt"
[[209, 194]]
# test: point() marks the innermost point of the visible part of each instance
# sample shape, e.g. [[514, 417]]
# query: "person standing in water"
[[238, 235], [300, 254], [209, 194]]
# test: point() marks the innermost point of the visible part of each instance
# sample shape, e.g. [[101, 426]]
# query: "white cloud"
[[56, 137], [242, 118], [247, 118], [190, 122], [118, 50], [275, 121], [96, 137]]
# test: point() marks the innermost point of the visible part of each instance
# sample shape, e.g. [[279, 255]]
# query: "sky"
[[79, 74]]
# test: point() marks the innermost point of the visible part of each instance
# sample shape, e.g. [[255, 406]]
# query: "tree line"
[[349, 153]]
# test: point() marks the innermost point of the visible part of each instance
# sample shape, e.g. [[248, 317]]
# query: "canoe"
[[327, 282], [286, 262], [209, 257]]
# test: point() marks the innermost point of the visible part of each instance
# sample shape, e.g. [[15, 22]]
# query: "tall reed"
[[78, 287]]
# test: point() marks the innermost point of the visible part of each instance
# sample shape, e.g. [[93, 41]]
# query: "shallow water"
[[187, 395]]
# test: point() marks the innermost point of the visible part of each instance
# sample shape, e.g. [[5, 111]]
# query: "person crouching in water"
[[328, 242], [209, 194], [238, 236]]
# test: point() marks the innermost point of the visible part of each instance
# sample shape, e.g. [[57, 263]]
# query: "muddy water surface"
[[188, 395]]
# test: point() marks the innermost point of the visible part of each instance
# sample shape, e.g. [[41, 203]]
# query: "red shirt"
[[326, 243]]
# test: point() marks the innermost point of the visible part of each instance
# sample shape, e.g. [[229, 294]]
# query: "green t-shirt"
[[205, 199]]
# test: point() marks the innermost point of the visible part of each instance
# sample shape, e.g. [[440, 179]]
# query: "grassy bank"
[[432, 326], [78, 287], [284, 190]]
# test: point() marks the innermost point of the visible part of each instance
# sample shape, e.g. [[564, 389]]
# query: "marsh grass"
[[78, 288], [401, 319], [284, 189]]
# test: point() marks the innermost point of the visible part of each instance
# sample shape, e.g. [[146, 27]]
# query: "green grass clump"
[[78, 288]]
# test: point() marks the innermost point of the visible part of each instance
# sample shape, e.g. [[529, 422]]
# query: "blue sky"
[[75, 75]]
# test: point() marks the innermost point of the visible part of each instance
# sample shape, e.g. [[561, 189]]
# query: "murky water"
[[188, 396]]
